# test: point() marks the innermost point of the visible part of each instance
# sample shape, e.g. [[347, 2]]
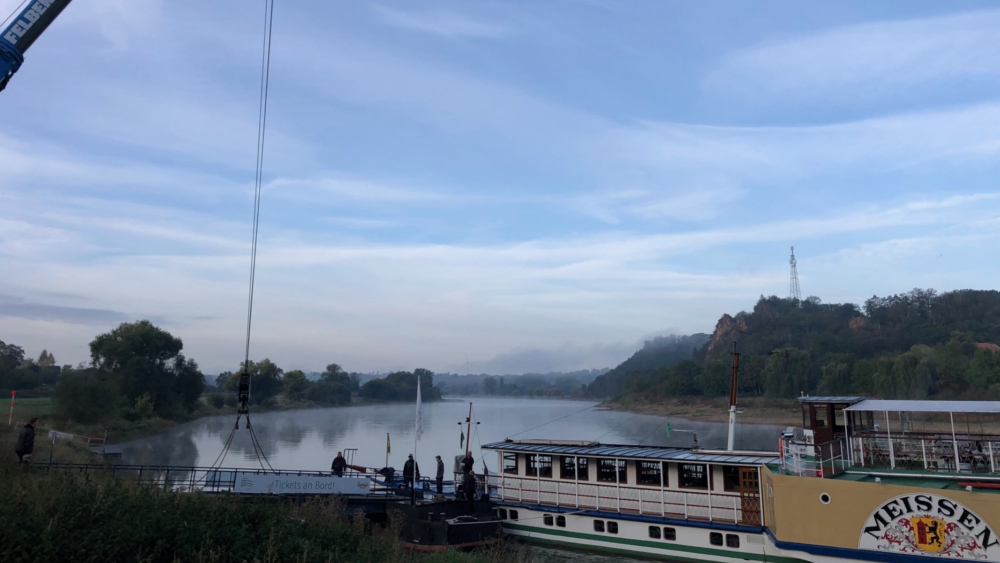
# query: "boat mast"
[[732, 398], [468, 430]]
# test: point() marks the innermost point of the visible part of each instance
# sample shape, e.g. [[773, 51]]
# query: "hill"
[[658, 353], [911, 345]]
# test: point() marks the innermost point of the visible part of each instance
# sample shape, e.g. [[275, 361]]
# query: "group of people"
[[411, 474]]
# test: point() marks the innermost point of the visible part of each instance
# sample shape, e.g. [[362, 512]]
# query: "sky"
[[488, 186]]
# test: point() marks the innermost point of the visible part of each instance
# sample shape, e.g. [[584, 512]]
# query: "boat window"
[[502, 513], [731, 478], [569, 469], [547, 519], [693, 476], [561, 521], [612, 527], [606, 470], [598, 525], [513, 515], [732, 540], [540, 464], [654, 532], [821, 417], [670, 534], [649, 473], [510, 463], [715, 538]]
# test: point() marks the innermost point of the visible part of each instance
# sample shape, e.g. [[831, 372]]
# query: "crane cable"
[[265, 81]]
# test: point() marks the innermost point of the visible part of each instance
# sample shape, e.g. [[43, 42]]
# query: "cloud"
[[867, 59], [443, 23], [568, 357], [16, 307]]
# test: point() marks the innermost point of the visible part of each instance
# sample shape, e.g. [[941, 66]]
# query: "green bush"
[[68, 517], [83, 397], [231, 399], [217, 400]]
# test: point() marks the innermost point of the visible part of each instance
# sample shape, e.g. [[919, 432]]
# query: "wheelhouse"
[[683, 483]]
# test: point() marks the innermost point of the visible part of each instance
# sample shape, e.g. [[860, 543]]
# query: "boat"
[[857, 482]]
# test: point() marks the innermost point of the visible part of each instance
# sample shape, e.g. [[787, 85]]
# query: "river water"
[[309, 439]]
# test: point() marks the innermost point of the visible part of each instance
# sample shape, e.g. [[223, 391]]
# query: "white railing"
[[927, 451], [814, 460], [647, 501]]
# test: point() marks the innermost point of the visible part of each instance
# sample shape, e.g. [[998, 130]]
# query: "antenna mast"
[[793, 283]]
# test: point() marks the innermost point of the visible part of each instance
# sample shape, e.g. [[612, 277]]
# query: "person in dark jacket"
[[411, 471], [26, 442], [339, 465], [469, 484], [467, 463], [440, 475]]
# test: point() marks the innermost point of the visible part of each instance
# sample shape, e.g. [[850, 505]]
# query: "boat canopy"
[[633, 452], [888, 405]]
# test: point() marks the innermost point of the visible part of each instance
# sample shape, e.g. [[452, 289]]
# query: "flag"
[[388, 446], [420, 415], [667, 429], [461, 439]]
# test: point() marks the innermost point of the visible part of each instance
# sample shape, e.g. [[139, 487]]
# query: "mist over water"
[[309, 439]]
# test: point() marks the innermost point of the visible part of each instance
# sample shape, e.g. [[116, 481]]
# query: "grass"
[[67, 517]]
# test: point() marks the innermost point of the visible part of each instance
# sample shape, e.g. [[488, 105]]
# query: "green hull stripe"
[[732, 554]]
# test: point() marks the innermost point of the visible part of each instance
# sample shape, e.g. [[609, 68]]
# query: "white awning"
[[883, 405]]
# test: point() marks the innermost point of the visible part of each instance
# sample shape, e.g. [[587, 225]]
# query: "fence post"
[[923, 452], [993, 465], [736, 510], [685, 505]]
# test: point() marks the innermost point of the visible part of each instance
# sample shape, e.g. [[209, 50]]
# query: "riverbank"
[[752, 410], [54, 516], [119, 430]]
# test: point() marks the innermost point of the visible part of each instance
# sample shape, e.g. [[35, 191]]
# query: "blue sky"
[[492, 186]]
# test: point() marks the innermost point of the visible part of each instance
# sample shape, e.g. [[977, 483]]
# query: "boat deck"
[[922, 479]]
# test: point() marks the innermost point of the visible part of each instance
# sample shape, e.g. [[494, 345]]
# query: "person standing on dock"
[[411, 472], [26, 442], [339, 465], [440, 475]]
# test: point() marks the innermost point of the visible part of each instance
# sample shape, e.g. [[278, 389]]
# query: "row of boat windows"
[[654, 473], [611, 527]]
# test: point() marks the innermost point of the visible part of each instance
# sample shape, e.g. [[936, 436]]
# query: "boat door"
[[750, 496]]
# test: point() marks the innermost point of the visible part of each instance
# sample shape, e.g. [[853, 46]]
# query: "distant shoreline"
[[752, 410]]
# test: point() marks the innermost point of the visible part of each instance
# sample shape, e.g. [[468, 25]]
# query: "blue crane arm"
[[22, 31]]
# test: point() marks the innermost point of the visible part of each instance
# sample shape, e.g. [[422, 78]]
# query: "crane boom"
[[23, 30]]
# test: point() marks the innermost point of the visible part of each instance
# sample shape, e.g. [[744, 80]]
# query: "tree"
[[220, 380], [296, 385], [490, 385], [83, 397], [265, 380], [46, 359], [11, 356], [140, 359]]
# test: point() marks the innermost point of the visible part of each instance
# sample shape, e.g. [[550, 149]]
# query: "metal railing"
[[927, 451], [814, 460], [646, 501], [195, 479]]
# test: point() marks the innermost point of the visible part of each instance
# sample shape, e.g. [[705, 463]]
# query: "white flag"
[[420, 415]]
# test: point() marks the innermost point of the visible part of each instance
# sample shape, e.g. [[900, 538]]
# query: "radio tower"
[[793, 283]]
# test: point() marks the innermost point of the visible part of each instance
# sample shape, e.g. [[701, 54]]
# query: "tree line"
[[913, 345], [138, 371]]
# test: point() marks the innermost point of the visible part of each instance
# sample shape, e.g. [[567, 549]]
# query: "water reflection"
[[309, 439]]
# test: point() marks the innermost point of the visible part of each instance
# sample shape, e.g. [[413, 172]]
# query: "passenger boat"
[[857, 482]]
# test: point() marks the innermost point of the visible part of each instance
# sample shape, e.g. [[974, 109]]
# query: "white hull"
[[693, 542]]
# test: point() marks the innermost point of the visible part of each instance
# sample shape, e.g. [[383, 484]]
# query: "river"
[[309, 439]]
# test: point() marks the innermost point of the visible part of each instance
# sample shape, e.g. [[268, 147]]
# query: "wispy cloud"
[[867, 59], [444, 23]]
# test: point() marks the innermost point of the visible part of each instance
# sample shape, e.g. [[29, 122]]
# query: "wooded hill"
[[912, 345]]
